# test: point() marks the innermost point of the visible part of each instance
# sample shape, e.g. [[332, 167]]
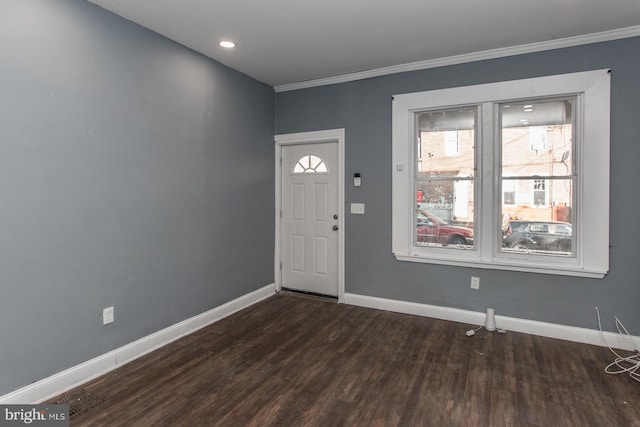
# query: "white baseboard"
[[56, 384], [551, 330]]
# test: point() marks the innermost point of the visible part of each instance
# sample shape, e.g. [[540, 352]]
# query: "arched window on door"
[[310, 164]]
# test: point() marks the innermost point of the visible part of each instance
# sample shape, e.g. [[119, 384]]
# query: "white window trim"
[[593, 105]]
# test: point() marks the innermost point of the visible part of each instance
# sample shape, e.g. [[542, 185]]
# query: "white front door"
[[309, 206]]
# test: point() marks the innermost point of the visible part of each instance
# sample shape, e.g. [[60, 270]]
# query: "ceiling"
[[285, 43]]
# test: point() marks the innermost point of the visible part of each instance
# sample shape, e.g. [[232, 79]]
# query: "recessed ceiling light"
[[228, 44]]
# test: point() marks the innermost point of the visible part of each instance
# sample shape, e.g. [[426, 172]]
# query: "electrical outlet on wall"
[[107, 315], [475, 283]]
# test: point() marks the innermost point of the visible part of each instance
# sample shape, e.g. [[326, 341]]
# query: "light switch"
[[357, 208]]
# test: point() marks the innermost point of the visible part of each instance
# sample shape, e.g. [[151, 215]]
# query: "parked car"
[[431, 229], [554, 236]]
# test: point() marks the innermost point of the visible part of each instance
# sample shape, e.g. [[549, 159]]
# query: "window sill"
[[499, 264]]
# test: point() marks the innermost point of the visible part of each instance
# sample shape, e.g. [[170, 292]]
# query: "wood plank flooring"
[[295, 361]]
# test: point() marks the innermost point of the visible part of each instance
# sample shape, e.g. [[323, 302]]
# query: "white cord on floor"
[[622, 364], [472, 332]]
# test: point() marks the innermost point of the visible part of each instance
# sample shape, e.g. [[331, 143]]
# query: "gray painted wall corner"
[[134, 173]]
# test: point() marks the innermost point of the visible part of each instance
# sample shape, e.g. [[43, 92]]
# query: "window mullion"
[[488, 182]]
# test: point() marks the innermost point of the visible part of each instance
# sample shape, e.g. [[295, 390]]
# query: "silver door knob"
[[335, 227]]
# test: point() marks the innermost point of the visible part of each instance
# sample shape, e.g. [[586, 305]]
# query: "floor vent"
[[79, 401]]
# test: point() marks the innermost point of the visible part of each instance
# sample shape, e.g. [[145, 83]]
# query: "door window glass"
[[310, 164]]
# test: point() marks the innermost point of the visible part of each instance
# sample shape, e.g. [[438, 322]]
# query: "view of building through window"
[[445, 177], [536, 177], [504, 175]]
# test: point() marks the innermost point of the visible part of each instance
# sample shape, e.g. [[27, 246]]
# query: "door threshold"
[[310, 295]]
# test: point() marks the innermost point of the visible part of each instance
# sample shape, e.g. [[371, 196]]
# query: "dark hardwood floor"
[[297, 361]]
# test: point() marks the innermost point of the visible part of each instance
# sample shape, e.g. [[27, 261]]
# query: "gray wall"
[[133, 172], [363, 108]]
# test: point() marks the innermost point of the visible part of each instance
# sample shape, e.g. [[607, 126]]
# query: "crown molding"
[[604, 36]]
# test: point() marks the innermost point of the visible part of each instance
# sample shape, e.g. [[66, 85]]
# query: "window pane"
[[537, 177], [445, 178], [310, 164], [446, 142], [537, 138], [445, 222], [540, 220]]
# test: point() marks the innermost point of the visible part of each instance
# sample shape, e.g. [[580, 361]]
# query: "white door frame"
[[331, 135]]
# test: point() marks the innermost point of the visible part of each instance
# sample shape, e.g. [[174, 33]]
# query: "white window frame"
[[591, 243]]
